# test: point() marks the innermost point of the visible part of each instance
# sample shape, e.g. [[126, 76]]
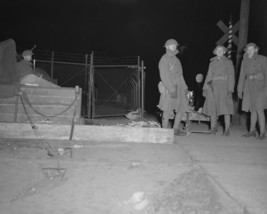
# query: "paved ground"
[[237, 164], [197, 174]]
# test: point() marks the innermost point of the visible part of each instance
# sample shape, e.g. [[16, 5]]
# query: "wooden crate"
[[44, 101]]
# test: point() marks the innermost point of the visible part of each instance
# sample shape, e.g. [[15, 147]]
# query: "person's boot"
[[213, 125], [179, 132], [226, 133], [214, 130], [251, 134], [261, 136]]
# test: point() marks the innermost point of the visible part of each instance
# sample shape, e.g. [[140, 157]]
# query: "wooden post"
[[142, 89], [85, 89], [90, 88], [92, 82], [243, 30], [139, 85], [242, 40], [52, 64]]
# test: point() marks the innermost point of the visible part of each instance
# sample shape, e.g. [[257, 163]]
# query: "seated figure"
[[28, 76]]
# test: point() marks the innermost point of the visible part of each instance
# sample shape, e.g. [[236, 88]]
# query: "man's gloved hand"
[[240, 94], [229, 93], [209, 83], [173, 94], [186, 91]]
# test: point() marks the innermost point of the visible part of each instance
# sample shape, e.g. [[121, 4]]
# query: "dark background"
[[131, 28]]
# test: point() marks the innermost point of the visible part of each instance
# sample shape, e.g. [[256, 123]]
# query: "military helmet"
[[220, 46], [27, 53], [171, 42], [251, 44]]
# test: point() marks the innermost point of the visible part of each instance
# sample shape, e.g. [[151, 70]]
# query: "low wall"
[[87, 133]]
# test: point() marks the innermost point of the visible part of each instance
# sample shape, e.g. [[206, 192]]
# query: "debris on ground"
[[138, 201], [151, 124], [191, 193], [133, 115]]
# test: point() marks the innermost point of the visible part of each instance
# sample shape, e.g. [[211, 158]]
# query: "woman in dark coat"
[[252, 88], [218, 88], [173, 89]]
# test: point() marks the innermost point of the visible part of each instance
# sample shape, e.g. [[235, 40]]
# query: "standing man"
[[218, 89], [173, 89], [252, 88]]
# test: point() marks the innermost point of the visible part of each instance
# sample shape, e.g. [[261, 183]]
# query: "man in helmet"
[[252, 88], [27, 75], [25, 66], [173, 89], [218, 89]]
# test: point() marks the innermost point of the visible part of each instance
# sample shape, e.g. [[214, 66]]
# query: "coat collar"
[[171, 53], [222, 58], [255, 56]]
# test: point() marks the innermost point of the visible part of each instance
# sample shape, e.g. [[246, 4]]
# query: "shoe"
[[213, 131], [179, 132], [261, 136], [226, 133], [251, 134]]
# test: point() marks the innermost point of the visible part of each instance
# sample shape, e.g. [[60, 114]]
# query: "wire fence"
[[117, 81]]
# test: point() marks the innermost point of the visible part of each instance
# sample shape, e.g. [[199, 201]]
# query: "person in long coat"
[[218, 89], [252, 88], [173, 89]]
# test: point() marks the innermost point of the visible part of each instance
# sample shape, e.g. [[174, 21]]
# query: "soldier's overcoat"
[[253, 82], [222, 78], [171, 74]]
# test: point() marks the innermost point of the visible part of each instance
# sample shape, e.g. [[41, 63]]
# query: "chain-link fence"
[[117, 85], [111, 86]]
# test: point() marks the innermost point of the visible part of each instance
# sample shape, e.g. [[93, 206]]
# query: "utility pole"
[[243, 30], [242, 41]]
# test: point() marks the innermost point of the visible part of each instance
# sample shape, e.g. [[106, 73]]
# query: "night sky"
[[130, 28]]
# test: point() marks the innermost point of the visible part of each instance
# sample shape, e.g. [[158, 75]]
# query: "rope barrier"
[[24, 96]]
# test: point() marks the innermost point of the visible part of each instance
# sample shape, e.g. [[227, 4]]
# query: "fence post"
[[90, 88], [85, 89], [93, 85], [142, 89], [139, 79], [52, 64]]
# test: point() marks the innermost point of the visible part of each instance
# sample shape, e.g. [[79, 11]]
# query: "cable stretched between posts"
[[35, 128], [25, 97]]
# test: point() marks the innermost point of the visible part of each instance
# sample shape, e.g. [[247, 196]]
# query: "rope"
[[25, 97], [34, 127]]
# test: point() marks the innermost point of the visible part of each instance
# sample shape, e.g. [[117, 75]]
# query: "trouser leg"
[[261, 119], [226, 122], [165, 120], [213, 122], [177, 121], [252, 128], [253, 120]]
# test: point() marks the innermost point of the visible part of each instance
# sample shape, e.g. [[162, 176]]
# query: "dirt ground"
[[105, 178]]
